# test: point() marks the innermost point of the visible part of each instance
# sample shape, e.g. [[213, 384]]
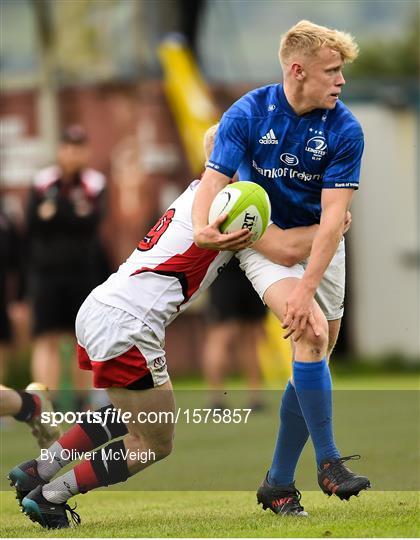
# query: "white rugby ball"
[[247, 205]]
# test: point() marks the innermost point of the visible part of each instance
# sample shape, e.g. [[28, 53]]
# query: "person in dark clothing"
[[235, 326], [64, 212], [9, 269]]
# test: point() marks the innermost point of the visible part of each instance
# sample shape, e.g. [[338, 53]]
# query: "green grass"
[[382, 425], [224, 514], [343, 379]]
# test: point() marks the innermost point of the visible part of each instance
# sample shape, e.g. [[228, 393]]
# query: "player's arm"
[[229, 149], [208, 235], [286, 246], [334, 204], [290, 246]]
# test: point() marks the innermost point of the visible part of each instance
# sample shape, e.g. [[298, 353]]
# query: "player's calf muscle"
[[144, 436], [156, 449]]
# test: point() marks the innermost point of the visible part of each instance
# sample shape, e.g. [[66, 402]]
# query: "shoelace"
[[294, 503], [74, 515], [340, 471]]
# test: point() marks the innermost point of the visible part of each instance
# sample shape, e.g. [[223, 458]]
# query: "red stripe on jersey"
[[191, 266]]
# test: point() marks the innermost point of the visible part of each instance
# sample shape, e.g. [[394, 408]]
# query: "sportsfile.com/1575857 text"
[[188, 416]]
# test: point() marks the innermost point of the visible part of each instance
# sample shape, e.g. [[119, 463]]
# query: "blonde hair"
[[209, 138], [307, 38]]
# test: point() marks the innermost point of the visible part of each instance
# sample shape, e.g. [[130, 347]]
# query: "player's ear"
[[297, 71]]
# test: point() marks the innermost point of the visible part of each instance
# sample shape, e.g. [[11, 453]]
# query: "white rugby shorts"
[[330, 294], [120, 349]]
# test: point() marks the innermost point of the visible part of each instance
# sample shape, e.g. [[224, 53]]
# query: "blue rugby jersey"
[[292, 157]]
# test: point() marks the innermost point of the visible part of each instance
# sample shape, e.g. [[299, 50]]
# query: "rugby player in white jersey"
[[120, 331]]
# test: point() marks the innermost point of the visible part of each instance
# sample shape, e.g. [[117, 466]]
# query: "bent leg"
[[312, 379], [121, 459], [248, 338], [310, 348], [291, 439], [247, 341], [46, 365], [11, 401], [217, 351], [144, 436]]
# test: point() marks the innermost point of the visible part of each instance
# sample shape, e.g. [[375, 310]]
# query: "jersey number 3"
[[156, 232]]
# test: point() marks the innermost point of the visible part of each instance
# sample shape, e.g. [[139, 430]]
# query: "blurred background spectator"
[[64, 254], [102, 65], [11, 283], [236, 316]]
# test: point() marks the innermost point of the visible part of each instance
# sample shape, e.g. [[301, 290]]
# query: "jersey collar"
[[285, 105]]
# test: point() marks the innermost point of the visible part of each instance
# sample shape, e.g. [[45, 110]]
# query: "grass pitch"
[[389, 454], [225, 514]]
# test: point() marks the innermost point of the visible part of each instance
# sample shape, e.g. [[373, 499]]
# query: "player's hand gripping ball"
[[247, 205]]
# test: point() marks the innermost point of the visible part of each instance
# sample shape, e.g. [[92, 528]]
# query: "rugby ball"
[[247, 205]]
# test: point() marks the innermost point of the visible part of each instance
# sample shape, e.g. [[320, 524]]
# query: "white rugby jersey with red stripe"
[[166, 272]]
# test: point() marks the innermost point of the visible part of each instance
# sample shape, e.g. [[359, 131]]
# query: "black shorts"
[[232, 297], [56, 299], [5, 327]]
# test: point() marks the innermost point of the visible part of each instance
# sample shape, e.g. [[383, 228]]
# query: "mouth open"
[[335, 95]]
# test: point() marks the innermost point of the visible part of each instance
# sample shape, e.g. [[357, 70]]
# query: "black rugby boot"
[[24, 478], [334, 478], [49, 515], [282, 500]]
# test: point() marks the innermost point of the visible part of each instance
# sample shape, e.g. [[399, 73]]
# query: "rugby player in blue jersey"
[[304, 146]]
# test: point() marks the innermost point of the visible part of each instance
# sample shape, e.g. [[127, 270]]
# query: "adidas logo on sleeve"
[[269, 138]]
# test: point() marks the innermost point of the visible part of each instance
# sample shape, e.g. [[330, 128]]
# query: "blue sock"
[[292, 437], [314, 392]]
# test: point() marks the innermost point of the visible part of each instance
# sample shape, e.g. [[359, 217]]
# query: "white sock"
[[62, 488]]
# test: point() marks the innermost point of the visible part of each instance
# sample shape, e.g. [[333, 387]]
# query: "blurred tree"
[[76, 39], [96, 40], [385, 58]]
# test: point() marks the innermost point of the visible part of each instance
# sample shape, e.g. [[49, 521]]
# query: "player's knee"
[[318, 344]]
